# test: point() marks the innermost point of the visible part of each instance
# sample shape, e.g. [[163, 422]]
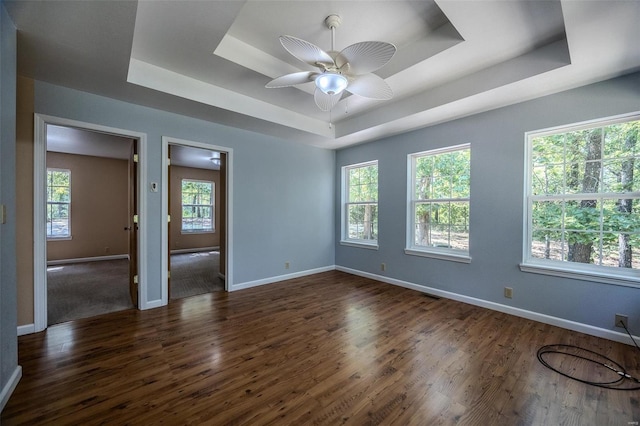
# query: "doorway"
[[196, 199], [90, 205], [86, 148]]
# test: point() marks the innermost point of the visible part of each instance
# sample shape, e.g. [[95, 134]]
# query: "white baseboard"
[[195, 250], [26, 329], [535, 316], [270, 280], [8, 389], [87, 259]]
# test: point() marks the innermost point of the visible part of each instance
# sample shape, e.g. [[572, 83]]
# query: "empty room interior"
[[293, 212]]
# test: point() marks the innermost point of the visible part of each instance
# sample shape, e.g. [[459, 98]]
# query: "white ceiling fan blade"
[[365, 57], [324, 101], [291, 79], [305, 51], [370, 86]]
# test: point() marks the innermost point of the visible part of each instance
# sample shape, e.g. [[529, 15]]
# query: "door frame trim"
[[39, 209], [166, 141]]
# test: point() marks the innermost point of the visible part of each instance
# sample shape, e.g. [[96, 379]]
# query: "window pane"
[[621, 175], [58, 203], [602, 168], [363, 221], [441, 185], [440, 236], [197, 205], [548, 179], [548, 149], [361, 208], [582, 215], [547, 215], [363, 184], [446, 177], [547, 245], [459, 237], [422, 220], [442, 225]]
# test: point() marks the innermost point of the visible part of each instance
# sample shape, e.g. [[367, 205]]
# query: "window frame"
[[211, 206], [561, 268], [443, 253], [357, 242], [68, 236]]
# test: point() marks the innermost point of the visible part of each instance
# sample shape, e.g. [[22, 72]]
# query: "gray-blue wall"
[[282, 191], [9, 370], [496, 223]]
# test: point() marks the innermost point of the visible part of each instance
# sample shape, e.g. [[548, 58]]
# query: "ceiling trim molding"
[[157, 78]]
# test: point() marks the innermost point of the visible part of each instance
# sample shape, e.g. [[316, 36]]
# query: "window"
[[58, 203], [360, 212], [439, 193], [197, 206], [583, 199]]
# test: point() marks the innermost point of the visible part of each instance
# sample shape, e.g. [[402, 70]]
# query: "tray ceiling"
[[211, 59]]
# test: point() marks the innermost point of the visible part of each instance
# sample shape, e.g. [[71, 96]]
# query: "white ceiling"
[[211, 59]]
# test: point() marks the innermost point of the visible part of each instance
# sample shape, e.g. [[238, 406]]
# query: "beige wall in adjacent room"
[[99, 207], [24, 199], [178, 240]]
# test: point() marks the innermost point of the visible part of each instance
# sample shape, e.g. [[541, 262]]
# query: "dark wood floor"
[[326, 349]]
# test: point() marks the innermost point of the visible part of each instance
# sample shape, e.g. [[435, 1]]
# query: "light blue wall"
[[282, 191], [9, 370], [496, 224]]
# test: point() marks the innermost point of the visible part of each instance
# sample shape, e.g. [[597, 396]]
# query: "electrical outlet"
[[286, 265], [621, 319], [508, 292], [383, 267]]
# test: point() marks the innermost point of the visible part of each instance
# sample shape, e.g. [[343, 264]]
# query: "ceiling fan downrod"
[[332, 22]]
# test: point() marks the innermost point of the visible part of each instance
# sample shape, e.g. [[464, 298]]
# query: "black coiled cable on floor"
[[620, 382]]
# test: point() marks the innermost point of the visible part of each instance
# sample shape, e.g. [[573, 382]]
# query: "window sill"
[[626, 280], [59, 239], [453, 257], [351, 243], [197, 232]]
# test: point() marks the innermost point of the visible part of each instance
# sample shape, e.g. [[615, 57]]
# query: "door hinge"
[[168, 218], [169, 274], [168, 161], [135, 279], [135, 158], [135, 218]]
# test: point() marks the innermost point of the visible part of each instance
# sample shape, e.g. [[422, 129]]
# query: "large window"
[[360, 213], [197, 206], [583, 198], [58, 203], [439, 193]]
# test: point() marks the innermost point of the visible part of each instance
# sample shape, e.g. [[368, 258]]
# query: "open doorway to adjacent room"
[[90, 229], [197, 227]]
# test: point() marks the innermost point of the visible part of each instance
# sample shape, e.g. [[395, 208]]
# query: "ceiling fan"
[[350, 70]]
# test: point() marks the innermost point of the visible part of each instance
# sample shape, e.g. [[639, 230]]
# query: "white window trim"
[[213, 209], [558, 268], [344, 240], [68, 237], [441, 253]]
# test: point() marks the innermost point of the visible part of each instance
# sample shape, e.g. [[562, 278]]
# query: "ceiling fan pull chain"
[[330, 120]]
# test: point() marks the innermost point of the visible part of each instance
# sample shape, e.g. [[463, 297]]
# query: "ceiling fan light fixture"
[[331, 83]]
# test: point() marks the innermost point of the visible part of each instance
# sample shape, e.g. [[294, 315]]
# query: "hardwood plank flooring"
[[331, 348]]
